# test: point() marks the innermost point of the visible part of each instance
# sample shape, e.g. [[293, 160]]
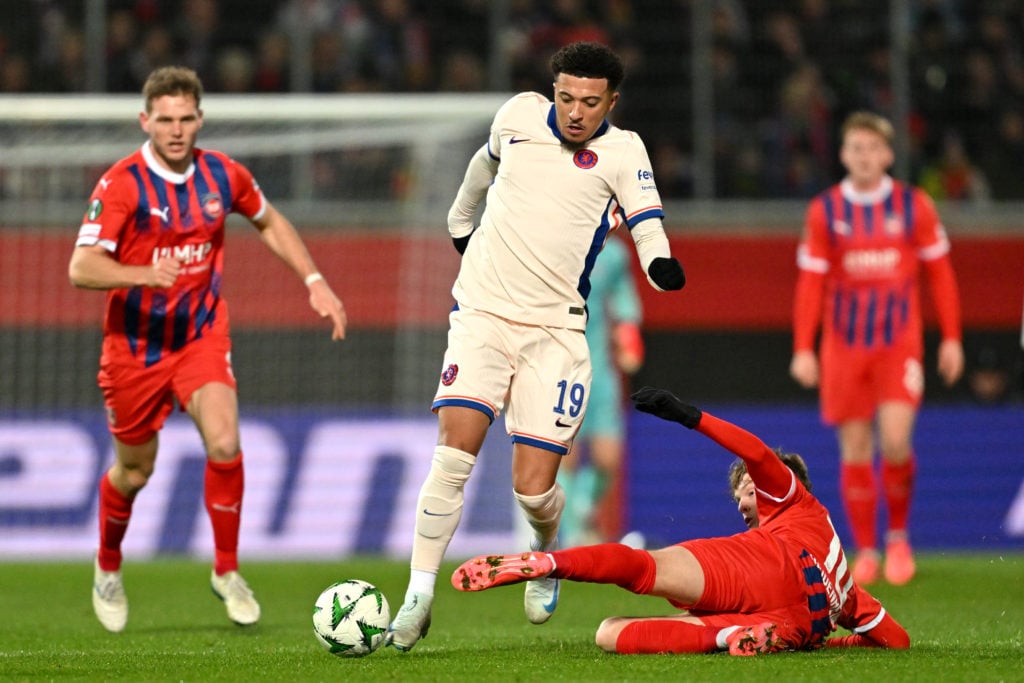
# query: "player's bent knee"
[[607, 635]]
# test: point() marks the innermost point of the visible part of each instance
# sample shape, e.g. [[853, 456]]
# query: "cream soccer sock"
[[439, 507], [543, 512]]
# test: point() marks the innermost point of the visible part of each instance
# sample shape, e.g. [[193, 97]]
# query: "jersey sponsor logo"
[[585, 159], [871, 262], [559, 423], [188, 254], [515, 141], [105, 183], [449, 374], [212, 206]]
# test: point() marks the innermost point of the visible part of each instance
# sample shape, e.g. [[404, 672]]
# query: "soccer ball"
[[350, 618]]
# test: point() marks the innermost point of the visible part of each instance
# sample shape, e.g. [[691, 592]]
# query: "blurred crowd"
[[783, 73]]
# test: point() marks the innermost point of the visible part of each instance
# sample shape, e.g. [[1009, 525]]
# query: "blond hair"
[[866, 120]]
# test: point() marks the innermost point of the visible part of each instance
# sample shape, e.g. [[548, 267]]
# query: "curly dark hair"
[[589, 60]]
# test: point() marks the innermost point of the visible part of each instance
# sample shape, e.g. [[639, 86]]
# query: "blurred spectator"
[[15, 73], [197, 37], [781, 70], [122, 34], [156, 49], [399, 47], [462, 71], [234, 71], [953, 176], [67, 72], [1002, 159], [273, 55]]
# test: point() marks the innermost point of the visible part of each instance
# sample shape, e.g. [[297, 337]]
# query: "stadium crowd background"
[[783, 73]]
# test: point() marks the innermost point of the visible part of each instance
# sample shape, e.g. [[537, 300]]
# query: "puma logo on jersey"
[[163, 214]]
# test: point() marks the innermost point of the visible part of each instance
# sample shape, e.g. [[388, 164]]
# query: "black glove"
[[667, 273], [664, 404]]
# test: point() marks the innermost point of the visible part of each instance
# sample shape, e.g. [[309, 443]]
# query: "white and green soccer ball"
[[350, 618]]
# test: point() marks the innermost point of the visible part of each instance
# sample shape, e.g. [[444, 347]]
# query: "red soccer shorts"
[[139, 399], [855, 381], [750, 578]]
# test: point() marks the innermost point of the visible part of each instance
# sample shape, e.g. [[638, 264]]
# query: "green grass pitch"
[[965, 614]]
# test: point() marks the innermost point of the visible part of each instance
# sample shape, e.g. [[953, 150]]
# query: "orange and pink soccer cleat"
[[488, 571], [759, 639]]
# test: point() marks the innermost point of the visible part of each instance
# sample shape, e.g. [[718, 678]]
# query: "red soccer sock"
[[223, 487], [115, 509], [658, 636], [898, 485], [859, 493], [613, 563]]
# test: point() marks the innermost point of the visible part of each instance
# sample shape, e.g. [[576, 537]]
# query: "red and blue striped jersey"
[[869, 247], [140, 212]]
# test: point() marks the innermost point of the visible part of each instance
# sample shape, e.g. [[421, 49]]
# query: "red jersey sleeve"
[[872, 626], [112, 207], [812, 261], [769, 473], [932, 246]]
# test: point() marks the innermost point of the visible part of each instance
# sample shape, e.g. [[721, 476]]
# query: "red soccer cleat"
[[488, 571], [759, 639], [899, 563], [865, 567]]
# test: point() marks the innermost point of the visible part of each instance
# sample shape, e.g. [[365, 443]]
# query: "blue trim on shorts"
[[546, 445], [464, 403]]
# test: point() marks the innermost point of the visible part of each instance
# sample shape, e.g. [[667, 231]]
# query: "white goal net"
[[367, 179]]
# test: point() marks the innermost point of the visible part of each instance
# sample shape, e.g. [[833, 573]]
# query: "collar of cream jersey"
[[167, 174]]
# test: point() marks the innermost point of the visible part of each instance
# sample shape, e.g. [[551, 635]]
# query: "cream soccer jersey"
[[548, 213]]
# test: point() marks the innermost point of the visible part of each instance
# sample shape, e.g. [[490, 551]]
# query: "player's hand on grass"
[[667, 406]]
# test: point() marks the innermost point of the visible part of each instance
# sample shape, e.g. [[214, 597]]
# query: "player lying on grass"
[[784, 584]]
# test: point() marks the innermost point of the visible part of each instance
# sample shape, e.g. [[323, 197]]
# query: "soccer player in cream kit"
[[558, 178]]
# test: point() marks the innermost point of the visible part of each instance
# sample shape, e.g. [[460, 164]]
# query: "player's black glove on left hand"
[[664, 404], [667, 273]]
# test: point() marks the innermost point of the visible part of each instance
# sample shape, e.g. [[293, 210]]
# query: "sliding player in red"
[[865, 241], [783, 584]]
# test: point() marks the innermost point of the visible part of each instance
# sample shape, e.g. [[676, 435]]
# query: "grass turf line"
[[963, 612]]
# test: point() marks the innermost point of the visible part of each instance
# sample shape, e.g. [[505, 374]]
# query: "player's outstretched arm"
[[666, 405], [283, 239], [887, 634], [767, 470]]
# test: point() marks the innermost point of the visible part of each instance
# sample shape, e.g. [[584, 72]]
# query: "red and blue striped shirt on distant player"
[[139, 212], [871, 246]]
